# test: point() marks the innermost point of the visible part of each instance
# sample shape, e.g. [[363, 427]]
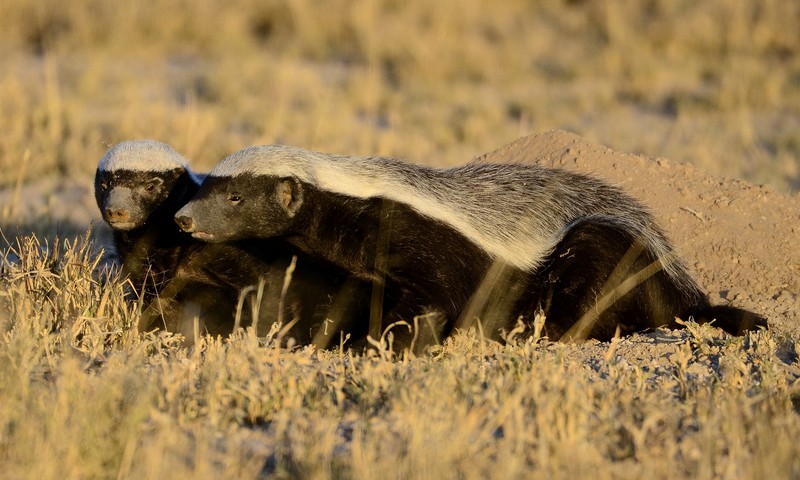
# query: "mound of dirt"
[[740, 239]]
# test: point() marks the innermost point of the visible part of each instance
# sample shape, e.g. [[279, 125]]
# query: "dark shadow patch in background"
[[48, 231]]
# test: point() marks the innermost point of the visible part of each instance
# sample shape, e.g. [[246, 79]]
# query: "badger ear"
[[289, 194]]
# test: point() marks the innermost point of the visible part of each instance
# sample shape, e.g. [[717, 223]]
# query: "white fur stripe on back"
[[369, 178], [515, 212]]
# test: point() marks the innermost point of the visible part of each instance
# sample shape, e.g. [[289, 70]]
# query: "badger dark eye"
[[153, 184], [103, 186], [234, 198]]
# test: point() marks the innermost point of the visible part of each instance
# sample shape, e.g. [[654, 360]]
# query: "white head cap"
[[142, 156]]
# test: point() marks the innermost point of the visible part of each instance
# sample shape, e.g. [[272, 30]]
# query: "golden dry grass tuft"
[[83, 396]]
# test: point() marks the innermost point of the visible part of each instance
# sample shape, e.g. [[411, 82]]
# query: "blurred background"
[[713, 83]]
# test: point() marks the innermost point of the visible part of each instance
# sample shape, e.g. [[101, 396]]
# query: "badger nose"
[[186, 223], [117, 214]]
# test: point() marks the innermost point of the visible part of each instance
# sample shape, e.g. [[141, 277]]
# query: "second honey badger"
[[139, 185], [464, 242]]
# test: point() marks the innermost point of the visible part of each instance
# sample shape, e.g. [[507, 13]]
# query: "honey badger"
[[466, 242], [139, 185]]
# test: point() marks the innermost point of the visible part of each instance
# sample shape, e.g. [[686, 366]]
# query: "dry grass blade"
[[10, 211]]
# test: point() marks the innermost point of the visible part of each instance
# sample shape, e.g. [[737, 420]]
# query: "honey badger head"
[[242, 206], [136, 178]]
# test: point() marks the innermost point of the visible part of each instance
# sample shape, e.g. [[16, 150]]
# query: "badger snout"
[[120, 210], [116, 215], [185, 222], [120, 218]]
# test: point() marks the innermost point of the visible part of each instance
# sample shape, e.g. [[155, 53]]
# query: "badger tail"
[[735, 321]]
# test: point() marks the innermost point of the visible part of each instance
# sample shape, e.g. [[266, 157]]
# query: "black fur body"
[[179, 278], [596, 260]]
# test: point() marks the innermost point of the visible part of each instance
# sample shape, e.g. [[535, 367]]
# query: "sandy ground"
[[740, 239]]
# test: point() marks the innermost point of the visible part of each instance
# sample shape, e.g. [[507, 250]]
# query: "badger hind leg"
[[600, 277]]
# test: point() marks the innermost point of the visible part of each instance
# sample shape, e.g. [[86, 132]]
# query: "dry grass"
[[84, 397], [713, 83]]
